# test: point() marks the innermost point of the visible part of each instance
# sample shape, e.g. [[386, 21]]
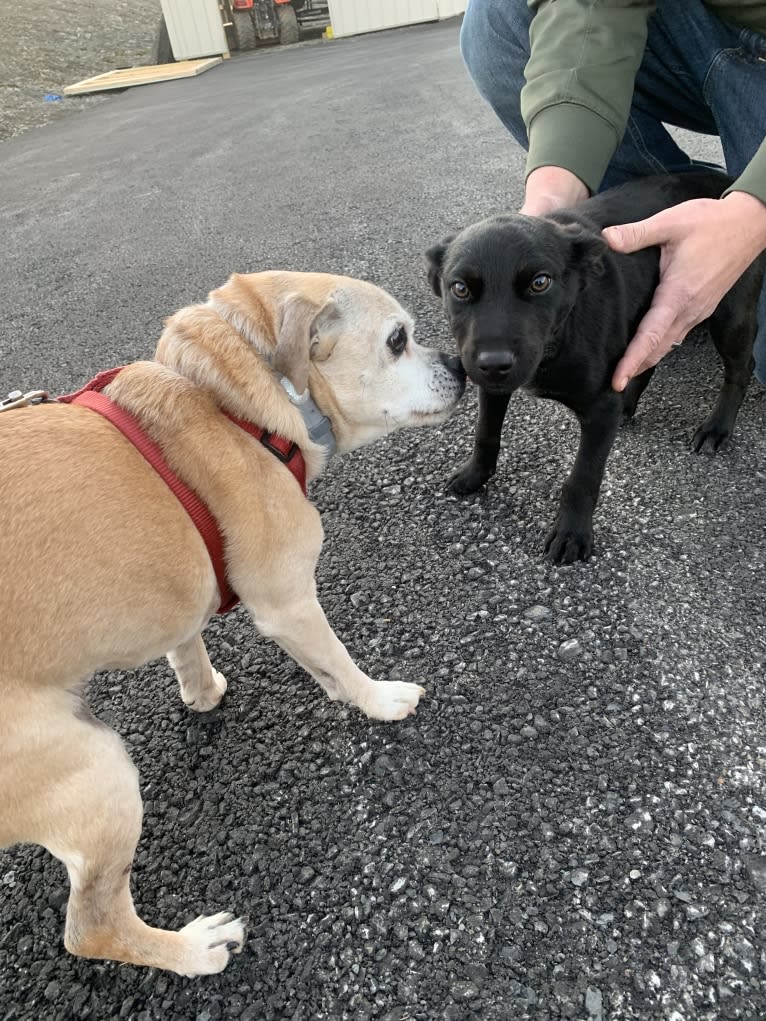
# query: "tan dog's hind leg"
[[202, 687], [302, 630], [82, 802]]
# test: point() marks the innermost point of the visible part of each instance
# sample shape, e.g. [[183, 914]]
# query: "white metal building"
[[195, 28], [351, 17]]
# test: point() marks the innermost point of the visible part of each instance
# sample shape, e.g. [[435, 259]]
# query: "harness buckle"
[[278, 452], [17, 399]]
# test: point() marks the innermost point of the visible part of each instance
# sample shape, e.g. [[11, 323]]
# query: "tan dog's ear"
[[323, 336], [301, 325]]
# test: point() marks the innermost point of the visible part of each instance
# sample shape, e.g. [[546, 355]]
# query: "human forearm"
[[550, 188]]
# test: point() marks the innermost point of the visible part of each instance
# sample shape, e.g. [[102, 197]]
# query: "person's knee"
[[472, 32], [495, 35], [494, 42]]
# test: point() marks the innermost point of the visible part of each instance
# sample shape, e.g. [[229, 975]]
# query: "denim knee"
[[494, 43], [473, 33]]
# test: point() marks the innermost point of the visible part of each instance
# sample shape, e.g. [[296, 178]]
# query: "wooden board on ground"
[[128, 76]]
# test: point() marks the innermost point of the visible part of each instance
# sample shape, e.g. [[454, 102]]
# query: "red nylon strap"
[[203, 520], [98, 383], [285, 450], [289, 453]]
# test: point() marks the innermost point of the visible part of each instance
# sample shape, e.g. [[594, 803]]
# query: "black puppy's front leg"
[[572, 535], [481, 465]]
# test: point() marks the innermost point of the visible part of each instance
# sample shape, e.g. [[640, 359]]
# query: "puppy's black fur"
[[546, 305]]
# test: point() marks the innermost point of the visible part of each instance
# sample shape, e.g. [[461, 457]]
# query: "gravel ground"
[[47, 46], [573, 824]]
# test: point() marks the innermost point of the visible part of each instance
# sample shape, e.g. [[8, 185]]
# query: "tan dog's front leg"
[[302, 630], [202, 687]]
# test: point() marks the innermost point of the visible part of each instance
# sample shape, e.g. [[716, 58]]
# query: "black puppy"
[[546, 305]]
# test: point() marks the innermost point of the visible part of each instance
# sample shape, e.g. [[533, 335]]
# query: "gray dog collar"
[[318, 425]]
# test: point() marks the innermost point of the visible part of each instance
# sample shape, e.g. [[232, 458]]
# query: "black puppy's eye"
[[398, 341], [540, 283], [460, 290]]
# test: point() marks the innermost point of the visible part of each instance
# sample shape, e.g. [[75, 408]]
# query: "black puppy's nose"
[[494, 363]]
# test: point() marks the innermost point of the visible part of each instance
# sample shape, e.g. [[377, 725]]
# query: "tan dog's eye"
[[460, 290], [540, 283], [398, 341]]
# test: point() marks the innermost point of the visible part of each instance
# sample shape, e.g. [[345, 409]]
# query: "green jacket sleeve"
[[753, 177], [579, 81]]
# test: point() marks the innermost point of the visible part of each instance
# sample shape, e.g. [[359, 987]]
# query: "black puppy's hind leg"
[[632, 394], [733, 335], [571, 537], [481, 465]]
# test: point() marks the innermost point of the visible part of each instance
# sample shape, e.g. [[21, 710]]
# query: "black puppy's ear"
[[435, 260], [588, 251]]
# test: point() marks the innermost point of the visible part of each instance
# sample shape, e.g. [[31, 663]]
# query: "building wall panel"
[[195, 28], [352, 17]]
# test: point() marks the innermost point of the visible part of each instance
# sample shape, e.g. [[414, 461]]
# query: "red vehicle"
[[254, 22], [249, 22]]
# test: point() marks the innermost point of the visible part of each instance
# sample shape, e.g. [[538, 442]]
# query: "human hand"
[[551, 188], [705, 246]]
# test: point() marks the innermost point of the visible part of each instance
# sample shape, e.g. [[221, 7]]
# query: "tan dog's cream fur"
[[102, 568]]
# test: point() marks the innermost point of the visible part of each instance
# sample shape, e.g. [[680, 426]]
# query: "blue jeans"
[[698, 72]]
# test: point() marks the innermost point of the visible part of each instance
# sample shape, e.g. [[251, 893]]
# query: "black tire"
[[287, 20], [163, 53], [244, 29], [232, 39]]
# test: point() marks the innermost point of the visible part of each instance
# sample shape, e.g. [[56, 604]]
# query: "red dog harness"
[[289, 454]]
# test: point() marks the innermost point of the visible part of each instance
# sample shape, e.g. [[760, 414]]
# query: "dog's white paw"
[[210, 941], [391, 700], [211, 696]]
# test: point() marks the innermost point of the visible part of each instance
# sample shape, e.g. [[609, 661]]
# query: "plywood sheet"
[[128, 76]]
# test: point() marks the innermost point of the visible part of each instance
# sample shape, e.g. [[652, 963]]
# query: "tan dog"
[[102, 568]]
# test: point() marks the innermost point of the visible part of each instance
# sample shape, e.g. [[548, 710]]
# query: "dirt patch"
[[46, 46]]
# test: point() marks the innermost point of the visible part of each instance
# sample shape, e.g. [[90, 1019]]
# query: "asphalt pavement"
[[573, 824]]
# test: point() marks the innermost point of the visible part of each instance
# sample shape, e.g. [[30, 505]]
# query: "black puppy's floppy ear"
[[435, 259], [588, 251]]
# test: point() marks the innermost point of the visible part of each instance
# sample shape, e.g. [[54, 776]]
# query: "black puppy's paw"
[[710, 437], [568, 542], [469, 478]]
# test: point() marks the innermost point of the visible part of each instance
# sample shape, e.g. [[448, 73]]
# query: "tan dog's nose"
[[454, 364]]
